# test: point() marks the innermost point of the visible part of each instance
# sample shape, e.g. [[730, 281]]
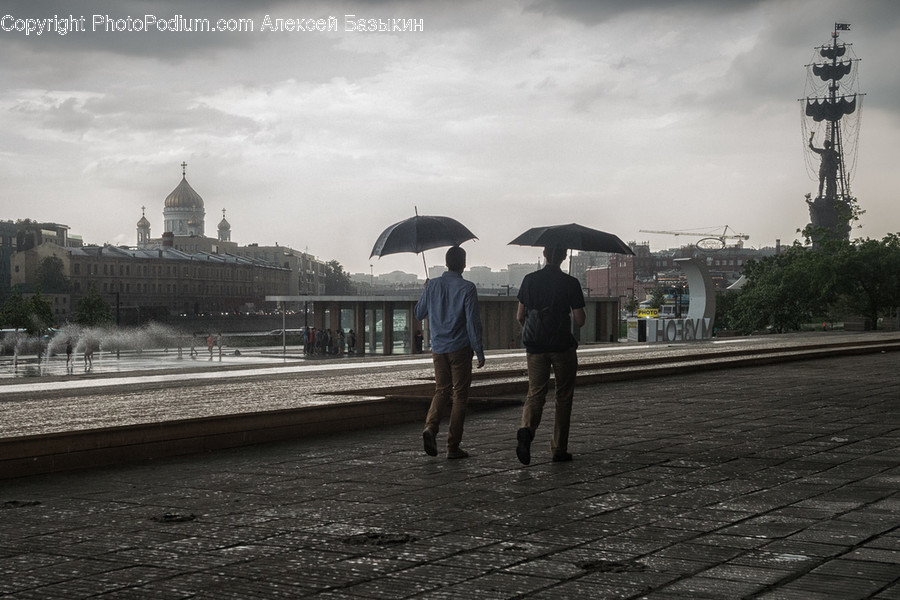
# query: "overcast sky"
[[620, 115]]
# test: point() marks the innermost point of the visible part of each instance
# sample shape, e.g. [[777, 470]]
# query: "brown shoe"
[[457, 453]]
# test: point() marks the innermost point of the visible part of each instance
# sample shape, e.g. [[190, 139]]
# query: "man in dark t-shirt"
[[545, 299]]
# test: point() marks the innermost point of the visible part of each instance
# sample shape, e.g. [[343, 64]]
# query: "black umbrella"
[[420, 233], [573, 237]]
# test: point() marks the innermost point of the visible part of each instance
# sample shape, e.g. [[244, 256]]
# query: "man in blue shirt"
[[450, 304]]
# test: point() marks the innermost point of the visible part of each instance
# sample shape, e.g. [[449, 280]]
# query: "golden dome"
[[185, 197]]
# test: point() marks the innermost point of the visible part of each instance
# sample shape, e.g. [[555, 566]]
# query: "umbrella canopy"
[[573, 237], [420, 233]]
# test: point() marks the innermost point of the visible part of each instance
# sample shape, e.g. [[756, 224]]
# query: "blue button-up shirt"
[[450, 304]]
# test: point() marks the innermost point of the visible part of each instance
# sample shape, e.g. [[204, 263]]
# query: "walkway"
[[772, 482]]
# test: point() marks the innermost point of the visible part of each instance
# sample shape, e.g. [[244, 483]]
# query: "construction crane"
[[710, 233]]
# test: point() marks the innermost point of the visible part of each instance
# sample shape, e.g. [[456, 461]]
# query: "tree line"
[[34, 315], [831, 281]]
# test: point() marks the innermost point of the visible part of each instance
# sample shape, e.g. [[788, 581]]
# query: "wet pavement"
[[131, 388], [775, 482]]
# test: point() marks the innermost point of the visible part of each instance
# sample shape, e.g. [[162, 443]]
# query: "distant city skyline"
[[622, 116]]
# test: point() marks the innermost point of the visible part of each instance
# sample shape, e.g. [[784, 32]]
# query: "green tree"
[[869, 276], [657, 297], [50, 275], [33, 315], [14, 314], [784, 292], [337, 281], [631, 305], [725, 311], [41, 313], [804, 285], [91, 309]]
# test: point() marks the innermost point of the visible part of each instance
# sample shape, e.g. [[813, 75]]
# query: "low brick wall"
[[72, 450]]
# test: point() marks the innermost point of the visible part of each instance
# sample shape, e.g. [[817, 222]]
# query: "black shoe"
[[523, 450], [457, 453], [429, 443], [562, 457]]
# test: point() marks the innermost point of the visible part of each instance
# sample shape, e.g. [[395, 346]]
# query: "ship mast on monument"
[[832, 107]]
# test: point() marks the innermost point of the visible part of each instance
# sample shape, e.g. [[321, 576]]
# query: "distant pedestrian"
[[545, 299], [310, 341], [351, 342], [210, 344], [69, 350], [450, 303], [418, 342], [88, 354]]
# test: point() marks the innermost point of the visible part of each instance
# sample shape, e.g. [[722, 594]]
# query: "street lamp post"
[[118, 324], [283, 330]]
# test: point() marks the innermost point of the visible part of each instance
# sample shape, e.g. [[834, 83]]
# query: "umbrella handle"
[[416, 208]]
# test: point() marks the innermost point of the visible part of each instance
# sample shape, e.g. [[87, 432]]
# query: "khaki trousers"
[[452, 379], [564, 366]]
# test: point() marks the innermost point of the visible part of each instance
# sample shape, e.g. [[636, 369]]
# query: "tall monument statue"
[[832, 108]]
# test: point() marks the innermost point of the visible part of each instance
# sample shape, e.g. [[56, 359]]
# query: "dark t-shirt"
[[549, 295]]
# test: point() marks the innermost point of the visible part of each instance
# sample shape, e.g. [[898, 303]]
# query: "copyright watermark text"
[[71, 24]]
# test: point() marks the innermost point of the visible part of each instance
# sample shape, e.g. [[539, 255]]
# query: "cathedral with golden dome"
[[184, 223], [184, 229], [184, 213], [181, 272]]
